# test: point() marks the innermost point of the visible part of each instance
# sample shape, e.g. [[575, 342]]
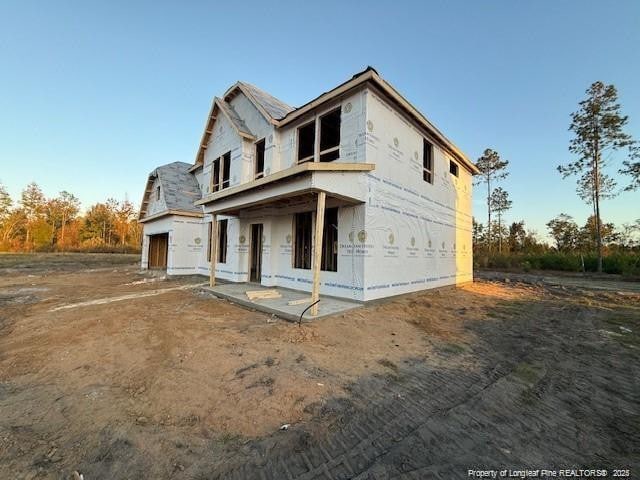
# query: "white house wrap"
[[398, 195]]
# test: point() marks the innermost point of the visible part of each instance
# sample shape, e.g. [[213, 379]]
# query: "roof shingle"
[[179, 187]]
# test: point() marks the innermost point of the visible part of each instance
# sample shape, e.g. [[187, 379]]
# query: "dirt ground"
[[122, 375]]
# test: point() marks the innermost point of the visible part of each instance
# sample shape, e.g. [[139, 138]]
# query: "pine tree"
[[5, 203], [33, 205], [492, 169], [597, 128], [564, 230], [500, 203]]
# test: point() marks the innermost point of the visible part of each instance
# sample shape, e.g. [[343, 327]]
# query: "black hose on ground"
[[305, 311]]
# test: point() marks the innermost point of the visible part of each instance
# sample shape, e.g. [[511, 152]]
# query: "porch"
[[236, 293], [308, 187]]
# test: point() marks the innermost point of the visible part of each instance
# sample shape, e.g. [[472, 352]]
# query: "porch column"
[[213, 249], [317, 252]]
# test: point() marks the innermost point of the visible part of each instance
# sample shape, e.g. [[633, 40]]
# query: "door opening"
[[255, 261], [158, 247]]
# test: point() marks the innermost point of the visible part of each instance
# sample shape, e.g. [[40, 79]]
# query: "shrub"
[[625, 263], [501, 261], [558, 261]]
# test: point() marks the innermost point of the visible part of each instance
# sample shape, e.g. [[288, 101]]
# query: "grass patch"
[[526, 373], [240, 372], [53, 260], [267, 382], [453, 348], [228, 438], [388, 363]]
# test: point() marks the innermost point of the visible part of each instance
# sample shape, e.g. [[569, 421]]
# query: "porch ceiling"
[[293, 189]]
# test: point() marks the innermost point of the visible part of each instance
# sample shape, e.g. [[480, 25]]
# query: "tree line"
[[598, 134], [37, 223]]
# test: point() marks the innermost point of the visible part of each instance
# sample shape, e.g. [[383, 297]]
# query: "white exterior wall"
[[154, 205], [223, 139], [261, 129], [277, 260], [186, 243], [418, 235], [352, 127], [409, 235]]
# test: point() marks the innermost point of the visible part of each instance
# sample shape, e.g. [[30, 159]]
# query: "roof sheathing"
[[179, 189], [270, 107]]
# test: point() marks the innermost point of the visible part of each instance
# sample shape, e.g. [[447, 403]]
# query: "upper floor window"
[[453, 168], [259, 170], [329, 144], [220, 169], [226, 169], [215, 175], [330, 136], [427, 161], [306, 142], [158, 193]]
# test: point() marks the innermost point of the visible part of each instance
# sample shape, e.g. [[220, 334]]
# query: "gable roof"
[[269, 106], [280, 114], [178, 187], [221, 106], [370, 75], [234, 118]]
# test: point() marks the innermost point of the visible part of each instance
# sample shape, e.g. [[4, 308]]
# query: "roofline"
[[224, 110], [370, 75], [208, 130], [181, 213], [240, 86], [145, 203]]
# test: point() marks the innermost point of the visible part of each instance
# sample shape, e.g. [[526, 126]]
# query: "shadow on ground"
[[544, 385]]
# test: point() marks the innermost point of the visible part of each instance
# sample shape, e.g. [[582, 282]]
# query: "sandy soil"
[[172, 375]]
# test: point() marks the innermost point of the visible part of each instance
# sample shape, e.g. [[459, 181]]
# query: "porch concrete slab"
[[236, 293]]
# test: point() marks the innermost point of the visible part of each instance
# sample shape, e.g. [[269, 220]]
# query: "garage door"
[[158, 247]]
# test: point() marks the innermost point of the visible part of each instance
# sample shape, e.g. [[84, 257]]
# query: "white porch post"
[[317, 252], [213, 249]]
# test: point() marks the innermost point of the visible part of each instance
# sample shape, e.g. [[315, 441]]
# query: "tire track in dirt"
[[529, 403]]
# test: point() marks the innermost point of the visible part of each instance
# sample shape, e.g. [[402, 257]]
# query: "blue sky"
[[94, 95]]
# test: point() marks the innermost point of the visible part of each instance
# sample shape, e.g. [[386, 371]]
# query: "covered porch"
[[306, 187]]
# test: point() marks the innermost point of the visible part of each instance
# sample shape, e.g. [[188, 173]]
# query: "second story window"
[[330, 136], [427, 161], [220, 169], [157, 193], [215, 175], [453, 168], [259, 170], [226, 169], [328, 148], [306, 142]]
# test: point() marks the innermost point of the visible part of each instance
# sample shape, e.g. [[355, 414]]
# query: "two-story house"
[[354, 194]]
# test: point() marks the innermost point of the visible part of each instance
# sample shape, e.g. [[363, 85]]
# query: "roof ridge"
[[273, 106]]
